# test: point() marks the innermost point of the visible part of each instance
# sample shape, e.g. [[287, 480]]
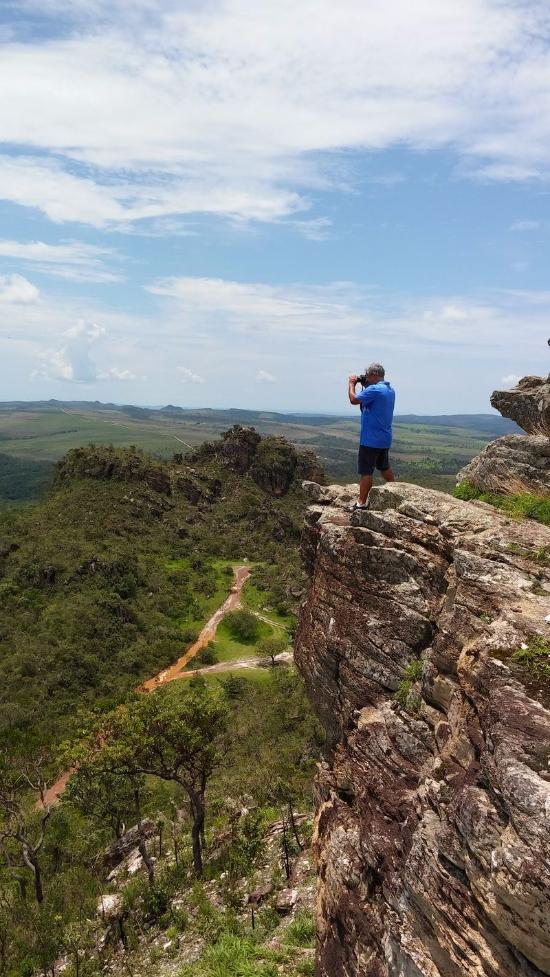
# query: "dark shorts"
[[371, 458]]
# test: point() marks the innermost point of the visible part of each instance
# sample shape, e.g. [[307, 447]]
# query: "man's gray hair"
[[376, 368]]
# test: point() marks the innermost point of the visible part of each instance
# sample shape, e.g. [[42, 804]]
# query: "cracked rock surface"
[[432, 830]]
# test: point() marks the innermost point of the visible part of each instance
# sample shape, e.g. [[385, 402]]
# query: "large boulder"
[[127, 843], [528, 404], [516, 463]]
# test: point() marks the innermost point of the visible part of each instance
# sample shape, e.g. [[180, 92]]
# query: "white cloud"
[[445, 353], [525, 225], [317, 229], [510, 380], [160, 109], [89, 331], [251, 307], [73, 361], [17, 290], [73, 260], [114, 373], [55, 366], [187, 376], [263, 376]]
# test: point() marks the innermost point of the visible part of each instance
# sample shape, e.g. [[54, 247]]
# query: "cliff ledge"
[[433, 804]]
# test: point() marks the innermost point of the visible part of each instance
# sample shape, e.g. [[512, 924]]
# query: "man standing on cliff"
[[377, 401]]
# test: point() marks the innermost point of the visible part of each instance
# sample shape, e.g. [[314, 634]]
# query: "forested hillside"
[[102, 584], [105, 580]]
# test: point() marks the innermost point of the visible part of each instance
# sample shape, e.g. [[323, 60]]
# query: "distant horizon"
[[259, 410]]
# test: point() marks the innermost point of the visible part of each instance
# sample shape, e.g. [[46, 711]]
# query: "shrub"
[[243, 626]]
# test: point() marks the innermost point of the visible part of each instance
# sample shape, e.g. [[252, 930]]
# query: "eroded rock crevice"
[[433, 801]]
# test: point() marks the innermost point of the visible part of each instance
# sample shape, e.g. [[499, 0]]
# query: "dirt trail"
[[206, 635], [284, 658], [174, 671]]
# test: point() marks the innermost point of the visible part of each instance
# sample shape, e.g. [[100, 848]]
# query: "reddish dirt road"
[[207, 634], [174, 671]]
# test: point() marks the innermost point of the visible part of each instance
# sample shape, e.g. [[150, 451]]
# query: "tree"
[[22, 834], [99, 793], [243, 625], [271, 646], [174, 736], [102, 790]]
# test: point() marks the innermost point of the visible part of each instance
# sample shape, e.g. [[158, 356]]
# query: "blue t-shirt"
[[377, 403]]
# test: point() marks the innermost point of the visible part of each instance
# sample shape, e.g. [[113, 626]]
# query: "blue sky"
[[234, 205]]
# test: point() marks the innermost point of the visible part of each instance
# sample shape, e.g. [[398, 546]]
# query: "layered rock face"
[[517, 463], [433, 803], [528, 404]]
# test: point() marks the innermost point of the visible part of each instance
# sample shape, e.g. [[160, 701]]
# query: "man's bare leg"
[[365, 486], [388, 475]]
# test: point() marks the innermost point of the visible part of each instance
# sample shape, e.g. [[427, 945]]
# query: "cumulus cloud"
[[187, 376], [510, 380], [16, 290], [73, 361], [114, 373], [234, 109]]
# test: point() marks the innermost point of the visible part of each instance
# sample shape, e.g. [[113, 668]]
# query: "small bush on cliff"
[[535, 655], [404, 695], [522, 505]]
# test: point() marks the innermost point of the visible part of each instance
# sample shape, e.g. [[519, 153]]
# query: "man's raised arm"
[[351, 390]]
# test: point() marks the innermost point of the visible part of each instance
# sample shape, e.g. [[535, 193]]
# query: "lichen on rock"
[[432, 829]]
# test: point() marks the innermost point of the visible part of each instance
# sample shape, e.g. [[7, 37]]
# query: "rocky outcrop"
[[528, 404], [271, 462], [515, 463], [238, 448], [433, 801], [127, 843], [114, 464]]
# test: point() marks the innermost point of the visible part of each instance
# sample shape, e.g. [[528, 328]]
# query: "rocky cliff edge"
[[423, 643]]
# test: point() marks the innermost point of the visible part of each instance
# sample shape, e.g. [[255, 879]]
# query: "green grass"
[[232, 956], [523, 505], [301, 931], [227, 647], [535, 656], [238, 955], [257, 600]]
